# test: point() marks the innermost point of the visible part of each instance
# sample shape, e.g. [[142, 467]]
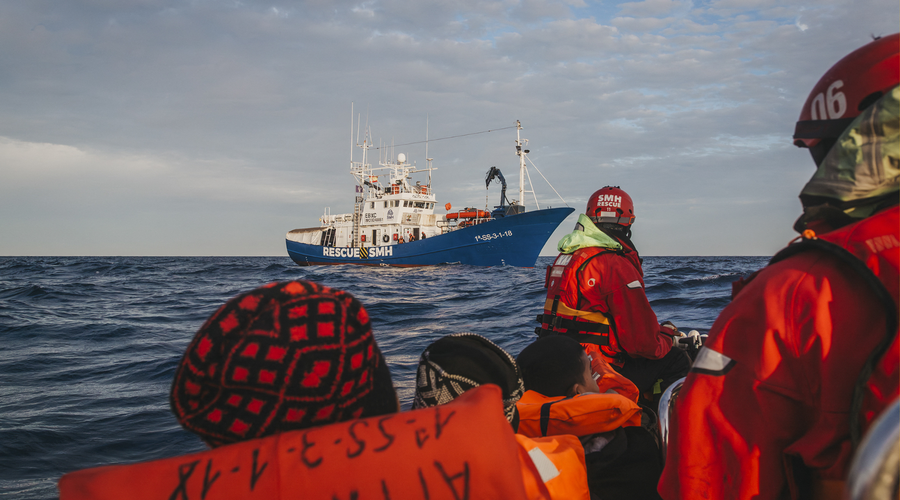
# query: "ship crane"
[[494, 173]]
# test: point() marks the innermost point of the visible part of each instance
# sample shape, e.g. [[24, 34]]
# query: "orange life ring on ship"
[[469, 213]]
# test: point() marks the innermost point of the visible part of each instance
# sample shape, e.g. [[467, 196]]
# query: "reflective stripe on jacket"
[[767, 405], [554, 466]]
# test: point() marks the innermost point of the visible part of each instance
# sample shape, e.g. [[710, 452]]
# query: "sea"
[[89, 345]]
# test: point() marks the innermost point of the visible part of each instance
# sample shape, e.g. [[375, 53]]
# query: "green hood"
[[589, 237], [865, 161]]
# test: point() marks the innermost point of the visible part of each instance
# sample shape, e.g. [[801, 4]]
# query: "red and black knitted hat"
[[285, 356]]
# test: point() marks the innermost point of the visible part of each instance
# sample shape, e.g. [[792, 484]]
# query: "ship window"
[[385, 204], [405, 203], [420, 204], [396, 203], [372, 205]]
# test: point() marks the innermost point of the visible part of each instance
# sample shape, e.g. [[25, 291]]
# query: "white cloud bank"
[[166, 127]]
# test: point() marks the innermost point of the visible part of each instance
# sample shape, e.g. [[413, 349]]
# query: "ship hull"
[[511, 241]]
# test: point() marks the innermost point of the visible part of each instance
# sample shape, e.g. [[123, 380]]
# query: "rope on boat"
[[444, 138], [545, 180]]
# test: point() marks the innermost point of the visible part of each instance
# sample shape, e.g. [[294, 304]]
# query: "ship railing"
[[665, 413]]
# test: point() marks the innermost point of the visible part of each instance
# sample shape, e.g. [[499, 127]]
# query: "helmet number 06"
[[830, 105]]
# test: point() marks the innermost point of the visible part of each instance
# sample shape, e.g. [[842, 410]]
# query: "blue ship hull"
[[511, 241]]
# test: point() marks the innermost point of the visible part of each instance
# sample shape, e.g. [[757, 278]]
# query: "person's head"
[[285, 356], [611, 210], [849, 124], [456, 363], [556, 365]]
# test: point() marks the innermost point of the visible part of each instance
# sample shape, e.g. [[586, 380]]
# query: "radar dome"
[[401, 158]]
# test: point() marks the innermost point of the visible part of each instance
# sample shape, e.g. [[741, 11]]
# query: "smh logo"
[[609, 200]]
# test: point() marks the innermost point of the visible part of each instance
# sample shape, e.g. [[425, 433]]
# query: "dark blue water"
[[90, 345]]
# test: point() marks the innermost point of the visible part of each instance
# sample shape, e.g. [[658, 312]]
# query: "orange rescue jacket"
[[464, 449], [581, 415], [553, 466]]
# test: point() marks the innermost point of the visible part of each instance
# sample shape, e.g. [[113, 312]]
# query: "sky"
[[203, 128]]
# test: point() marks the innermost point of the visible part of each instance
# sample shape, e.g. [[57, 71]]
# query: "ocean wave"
[[91, 344]]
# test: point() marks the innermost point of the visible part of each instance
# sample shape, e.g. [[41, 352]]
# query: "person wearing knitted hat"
[[450, 366], [287, 385], [456, 363], [284, 356]]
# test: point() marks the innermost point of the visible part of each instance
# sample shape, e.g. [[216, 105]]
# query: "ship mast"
[[520, 144], [361, 172]]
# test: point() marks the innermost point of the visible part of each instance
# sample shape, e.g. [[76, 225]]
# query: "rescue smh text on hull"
[[394, 224]]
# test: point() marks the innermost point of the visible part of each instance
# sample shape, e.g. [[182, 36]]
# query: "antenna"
[[427, 159], [351, 134]]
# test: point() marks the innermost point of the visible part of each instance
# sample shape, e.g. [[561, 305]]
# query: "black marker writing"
[[424, 485], [184, 473], [389, 437], [361, 444], [312, 464], [438, 425], [255, 473], [207, 482], [421, 437], [450, 479]]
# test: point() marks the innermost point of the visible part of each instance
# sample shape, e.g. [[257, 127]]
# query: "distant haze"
[[162, 127]]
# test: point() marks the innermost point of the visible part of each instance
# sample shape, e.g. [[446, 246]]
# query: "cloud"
[[243, 109], [651, 8]]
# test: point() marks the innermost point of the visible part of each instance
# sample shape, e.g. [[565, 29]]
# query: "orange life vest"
[[580, 415], [464, 449], [562, 309], [609, 379], [553, 466]]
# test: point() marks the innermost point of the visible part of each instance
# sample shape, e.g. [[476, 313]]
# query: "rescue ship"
[[394, 223]]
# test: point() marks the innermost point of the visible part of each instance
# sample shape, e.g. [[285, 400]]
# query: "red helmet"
[[610, 204], [848, 88]]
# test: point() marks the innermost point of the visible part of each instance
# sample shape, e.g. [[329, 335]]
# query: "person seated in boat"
[[267, 362], [455, 364], [806, 355], [568, 392], [595, 295], [279, 382]]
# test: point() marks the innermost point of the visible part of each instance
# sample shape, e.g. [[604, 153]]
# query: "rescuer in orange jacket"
[[806, 355], [595, 295]]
